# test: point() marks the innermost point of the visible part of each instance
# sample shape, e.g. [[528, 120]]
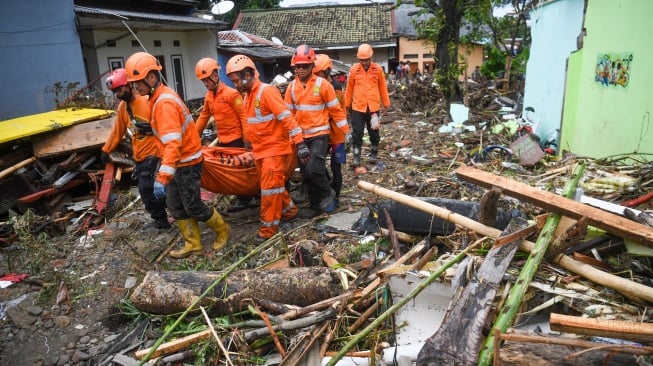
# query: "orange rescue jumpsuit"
[[180, 145], [145, 150], [226, 107], [313, 105], [272, 130], [365, 92]]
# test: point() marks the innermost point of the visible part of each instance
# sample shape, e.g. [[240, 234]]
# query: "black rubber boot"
[[357, 156], [374, 150]]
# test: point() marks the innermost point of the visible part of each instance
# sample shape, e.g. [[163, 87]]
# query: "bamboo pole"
[[13, 168], [632, 331], [379, 320], [625, 286], [511, 306]]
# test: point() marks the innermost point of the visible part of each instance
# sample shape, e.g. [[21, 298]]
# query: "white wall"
[[555, 27], [193, 45]]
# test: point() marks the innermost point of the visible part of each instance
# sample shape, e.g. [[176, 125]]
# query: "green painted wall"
[[599, 120]]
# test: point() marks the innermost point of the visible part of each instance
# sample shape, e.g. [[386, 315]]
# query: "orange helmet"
[[322, 63], [304, 55], [140, 64], [365, 52], [239, 63], [117, 79], [204, 68]]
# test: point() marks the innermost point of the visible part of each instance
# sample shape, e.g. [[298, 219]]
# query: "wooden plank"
[[632, 331], [460, 336], [13, 129], [74, 138], [614, 224]]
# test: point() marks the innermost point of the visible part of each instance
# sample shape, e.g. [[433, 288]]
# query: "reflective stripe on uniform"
[[295, 131], [272, 191], [167, 169], [191, 157], [290, 206], [270, 223], [316, 129], [170, 136], [258, 117], [188, 118]]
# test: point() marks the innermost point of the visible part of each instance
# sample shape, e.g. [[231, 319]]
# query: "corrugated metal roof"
[[333, 26], [117, 15], [240, 42]]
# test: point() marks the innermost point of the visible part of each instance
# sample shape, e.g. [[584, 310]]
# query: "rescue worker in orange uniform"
[[338, 139], [272, 131], [133, 115], [367, 96], [178, 177], [225, 104], [313, 102]]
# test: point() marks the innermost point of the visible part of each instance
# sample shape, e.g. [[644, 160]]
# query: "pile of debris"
[[464, 244]]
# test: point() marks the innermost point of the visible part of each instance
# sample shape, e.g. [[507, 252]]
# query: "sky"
[[287, 3]]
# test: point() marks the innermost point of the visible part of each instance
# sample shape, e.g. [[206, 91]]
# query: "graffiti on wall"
[[613, 69]]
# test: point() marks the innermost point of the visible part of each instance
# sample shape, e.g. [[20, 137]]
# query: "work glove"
[[159, 191], [375, 122], [105, 158], [143, 128], [303, 153], [348, 141]]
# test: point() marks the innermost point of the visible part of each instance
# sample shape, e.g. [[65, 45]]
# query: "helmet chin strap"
[[152, 87]]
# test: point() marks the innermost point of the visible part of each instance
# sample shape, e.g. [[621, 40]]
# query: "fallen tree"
[[169, 292]]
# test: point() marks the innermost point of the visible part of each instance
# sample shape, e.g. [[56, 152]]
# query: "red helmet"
[[204, 68], [365, 52], [292, 60], [304, 55], [140, 64], [116, 79], [322, 63], [239, 63]]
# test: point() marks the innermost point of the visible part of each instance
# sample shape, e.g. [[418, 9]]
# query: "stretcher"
[[232, 171]]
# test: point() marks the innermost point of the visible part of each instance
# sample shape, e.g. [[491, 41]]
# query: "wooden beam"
[[623, 285], [631, 331], [614, 224]]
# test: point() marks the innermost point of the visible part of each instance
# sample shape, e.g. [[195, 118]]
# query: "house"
[[555, 28], [601, 82], [269, 57], [171, 30], [40, 47], [335, 30], [420, 53], [81, 41]]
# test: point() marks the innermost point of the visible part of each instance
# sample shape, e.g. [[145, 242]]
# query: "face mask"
[[126, 96]]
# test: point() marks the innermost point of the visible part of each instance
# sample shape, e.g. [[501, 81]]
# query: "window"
[[135, 43], [411, 55], [111, 43], [176, 43], [157, 43], [116, 63], [427, 55]]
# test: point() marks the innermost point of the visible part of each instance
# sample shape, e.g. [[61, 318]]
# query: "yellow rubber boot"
[[193, 243], [221, 228]]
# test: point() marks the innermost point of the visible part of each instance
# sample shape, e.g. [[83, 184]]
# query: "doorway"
[[178, 76]]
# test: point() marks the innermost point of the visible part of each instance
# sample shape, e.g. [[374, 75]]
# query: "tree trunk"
[[169, 292], [460, 336], [446, 49]]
